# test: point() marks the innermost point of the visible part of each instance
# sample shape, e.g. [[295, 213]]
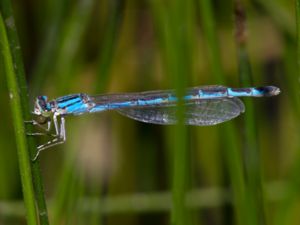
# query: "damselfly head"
[[41, 106]]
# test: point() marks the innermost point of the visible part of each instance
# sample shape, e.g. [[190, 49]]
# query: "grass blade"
[[111, 35], [228, 132], [251, 152], [18, 121], [20, 74], [174, 29], [289, 208]]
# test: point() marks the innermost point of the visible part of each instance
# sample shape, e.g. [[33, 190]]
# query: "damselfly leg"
[[46, 129], [58, 137]]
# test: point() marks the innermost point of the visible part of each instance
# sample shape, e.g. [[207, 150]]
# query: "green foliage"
[[114, 170]]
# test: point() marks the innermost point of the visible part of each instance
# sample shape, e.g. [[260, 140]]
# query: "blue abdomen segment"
[[214, 92], [77, 104], [266, 91], [74, 104], [168, 97]]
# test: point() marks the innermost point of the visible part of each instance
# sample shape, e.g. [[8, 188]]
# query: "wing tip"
[[240, 104]]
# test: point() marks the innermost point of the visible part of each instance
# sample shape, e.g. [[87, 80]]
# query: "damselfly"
[[204, 106]]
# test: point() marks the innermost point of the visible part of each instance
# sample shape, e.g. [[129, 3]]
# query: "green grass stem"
[[251, 152], [49, 48], [71, 38], [178, 67], [289, 206], [23, 92], [173, 27], [109, 43], [297, 2], [18, 121], [228, 131], [69, 42], [279, 14], [251, 149]]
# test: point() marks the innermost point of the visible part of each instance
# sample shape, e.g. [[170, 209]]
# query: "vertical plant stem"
[[298, 36], [174, 29], [18, 121], [73, 30], [49, 48], [277, 12], [251, 152], [110, 39], [72, 34], [232, 154], [20, 74], [109, 43], [209, 30], [179, 22], [289, 207]]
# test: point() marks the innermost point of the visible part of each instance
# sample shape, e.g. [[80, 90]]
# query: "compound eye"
[[43, 102], [41, 105], [42, 99]]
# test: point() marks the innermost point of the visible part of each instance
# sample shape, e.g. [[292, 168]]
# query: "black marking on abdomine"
[[267, 91], [72, 103], [66, 98], [214, 89], [246, 90]]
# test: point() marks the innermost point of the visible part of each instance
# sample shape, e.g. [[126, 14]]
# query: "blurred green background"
[[113, 170]]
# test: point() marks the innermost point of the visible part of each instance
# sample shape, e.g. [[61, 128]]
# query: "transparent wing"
[[148, 95], [200, 113]]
